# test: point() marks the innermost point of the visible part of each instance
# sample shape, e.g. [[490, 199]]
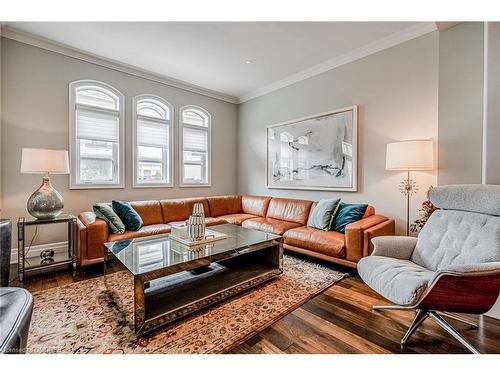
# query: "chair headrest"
[[484, 199]]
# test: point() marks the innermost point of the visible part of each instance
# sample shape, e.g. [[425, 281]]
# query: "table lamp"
[[415, 155], [46, 202]]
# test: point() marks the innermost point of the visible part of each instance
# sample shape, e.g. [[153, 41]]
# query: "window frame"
[[171, 135], [181, 146], [74, 180]]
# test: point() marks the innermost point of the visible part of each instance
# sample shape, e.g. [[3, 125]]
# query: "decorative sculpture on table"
[[196, 223]]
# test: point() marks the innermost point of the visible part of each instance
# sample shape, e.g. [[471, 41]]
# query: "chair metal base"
[[422, 315]]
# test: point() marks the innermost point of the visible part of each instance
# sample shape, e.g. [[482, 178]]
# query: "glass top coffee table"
[[172, 280]]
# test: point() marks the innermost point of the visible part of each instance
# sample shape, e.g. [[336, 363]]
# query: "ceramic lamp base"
[[46, 202]]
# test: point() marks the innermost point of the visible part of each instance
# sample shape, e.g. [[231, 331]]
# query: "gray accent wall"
[[492, 108], [35, 114], [461, 104], [397, 93], [492, 116]]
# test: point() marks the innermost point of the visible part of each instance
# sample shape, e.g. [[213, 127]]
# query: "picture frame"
[[317, 152]]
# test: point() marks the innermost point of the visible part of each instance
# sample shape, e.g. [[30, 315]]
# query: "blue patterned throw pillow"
[[346, 214], [129, 216]]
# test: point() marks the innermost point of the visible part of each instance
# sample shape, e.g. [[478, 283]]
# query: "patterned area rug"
[[82, 317]]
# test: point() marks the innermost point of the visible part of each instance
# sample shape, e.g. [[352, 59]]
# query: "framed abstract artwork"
[[317, 152]]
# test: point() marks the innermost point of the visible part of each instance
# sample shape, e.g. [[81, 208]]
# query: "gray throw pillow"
[[105, 211], [322, 215]]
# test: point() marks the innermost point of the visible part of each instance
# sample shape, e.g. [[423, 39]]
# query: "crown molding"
[[62, 49], [392, 40]]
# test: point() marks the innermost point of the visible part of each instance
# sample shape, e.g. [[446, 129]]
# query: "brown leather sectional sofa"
[[286, 217]]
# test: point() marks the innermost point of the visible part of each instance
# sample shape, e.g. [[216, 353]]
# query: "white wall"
[[492, 116], [397, 93], [461, 104], [492, 107], [35, 114]]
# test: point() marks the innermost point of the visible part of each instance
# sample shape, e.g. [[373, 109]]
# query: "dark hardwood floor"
[[338, 320]]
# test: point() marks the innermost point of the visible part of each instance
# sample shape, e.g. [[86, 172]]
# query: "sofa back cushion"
[[294, 210], [149, 211], [224, 205], [255, 205], [181, 209]]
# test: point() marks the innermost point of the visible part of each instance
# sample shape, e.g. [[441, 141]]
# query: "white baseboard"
[[58, 247]]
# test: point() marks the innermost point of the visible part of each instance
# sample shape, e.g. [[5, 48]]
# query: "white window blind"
[[195, 137], [96, 114], [152, 134], [152, 165], [97, 126]]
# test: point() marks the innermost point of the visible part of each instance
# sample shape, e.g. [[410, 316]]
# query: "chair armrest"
[[357, 238], [399, 247], [93, 234]]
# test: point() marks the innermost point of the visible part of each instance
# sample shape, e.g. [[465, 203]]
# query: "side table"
[[28, 264]]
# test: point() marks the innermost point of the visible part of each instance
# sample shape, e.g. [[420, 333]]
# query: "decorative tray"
[[210, 236]]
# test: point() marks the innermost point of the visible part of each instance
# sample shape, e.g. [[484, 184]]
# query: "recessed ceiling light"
[[248, 62]]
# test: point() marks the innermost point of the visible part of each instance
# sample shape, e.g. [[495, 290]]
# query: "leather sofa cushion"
[[293, 210], [270, 225], [149, 211], [236, 218], [209, 221], [224, 205], [147, 230], [324, 242], [181, 209], [255, 205]]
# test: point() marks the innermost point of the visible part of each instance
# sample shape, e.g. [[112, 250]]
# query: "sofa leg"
[[452, 331], [420, 316]]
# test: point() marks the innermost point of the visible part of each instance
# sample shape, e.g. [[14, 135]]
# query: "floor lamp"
[[415, 155]]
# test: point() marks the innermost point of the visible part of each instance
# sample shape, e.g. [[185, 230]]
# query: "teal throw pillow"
[[323, 213], [105, 211], [347, 214], [129, 216]]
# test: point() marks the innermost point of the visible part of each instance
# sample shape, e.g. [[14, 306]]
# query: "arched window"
[[195, 127], [96, 135], [152, 127]]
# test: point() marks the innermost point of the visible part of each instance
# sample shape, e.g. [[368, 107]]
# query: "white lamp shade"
[[415, 155], [40, 161]]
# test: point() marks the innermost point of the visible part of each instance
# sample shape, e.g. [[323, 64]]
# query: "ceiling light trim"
[[62, 49], [392, 40]]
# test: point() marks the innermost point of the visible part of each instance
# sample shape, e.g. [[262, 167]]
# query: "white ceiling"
[[212, 55]]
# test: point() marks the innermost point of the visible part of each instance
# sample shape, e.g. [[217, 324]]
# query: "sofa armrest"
[[359, 234], [399, 247], [93, 233]]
